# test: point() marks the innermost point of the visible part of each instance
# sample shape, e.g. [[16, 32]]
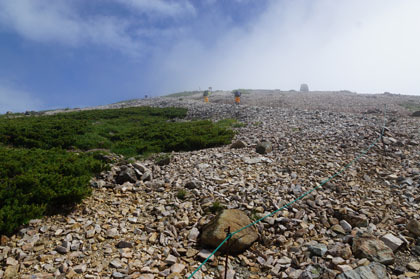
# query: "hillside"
[[148, 226]]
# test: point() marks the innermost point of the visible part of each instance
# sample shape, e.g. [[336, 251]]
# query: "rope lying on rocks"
[[299, 198]]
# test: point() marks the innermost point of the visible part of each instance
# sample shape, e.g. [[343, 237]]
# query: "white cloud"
[[59, 21], [364, 46], [165, 8], [16, 100]]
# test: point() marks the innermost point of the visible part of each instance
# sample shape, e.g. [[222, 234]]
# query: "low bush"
[[34, 182], [41, 174], [130, 132]]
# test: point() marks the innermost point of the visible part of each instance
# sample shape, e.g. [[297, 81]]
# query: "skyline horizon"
[[83, 53]]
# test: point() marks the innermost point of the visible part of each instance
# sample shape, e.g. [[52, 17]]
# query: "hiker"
[[237, 95], [206, 96]]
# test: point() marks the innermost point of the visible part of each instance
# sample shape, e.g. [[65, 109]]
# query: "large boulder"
[[238, 144], [367, 246], [215, 232], [414, 227], [416, 113], [264, 147], [372, 271], [11, 272], [126, 175]]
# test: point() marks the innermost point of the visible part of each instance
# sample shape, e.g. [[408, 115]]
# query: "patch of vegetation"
[[411, 106], [43, 167], [184, 94], [34, 182], [242, 90], [216, 207], [254, 215], [230, 123], [163, 159], [181, 194], [129, 132]]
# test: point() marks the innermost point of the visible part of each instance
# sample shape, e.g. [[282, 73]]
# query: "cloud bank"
[[154, 47], [365, 46]]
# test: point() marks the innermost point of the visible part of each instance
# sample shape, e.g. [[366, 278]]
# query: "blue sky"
[[77, 53]]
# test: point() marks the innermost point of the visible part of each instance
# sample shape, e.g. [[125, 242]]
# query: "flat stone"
[[61, 250], [204, 254], [116, 274], [11, 272], [193, 234], [415, 266], [346, 226], [177, 267], [193, 184], [124, 244], [338, 229], [147, 276], [90, 233], [318, 250], [338, 260], [116, 263], [392, 241], [11, 261], [112, 233], [171, 260], [284, 261], [372, 271], [344, 267], [81, 268]]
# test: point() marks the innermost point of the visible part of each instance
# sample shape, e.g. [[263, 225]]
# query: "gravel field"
[[363, 222]]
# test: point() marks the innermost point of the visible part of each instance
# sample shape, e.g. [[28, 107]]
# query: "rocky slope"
[[144, 220]]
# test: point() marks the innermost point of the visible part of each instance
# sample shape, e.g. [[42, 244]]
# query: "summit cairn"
[[304, 87]]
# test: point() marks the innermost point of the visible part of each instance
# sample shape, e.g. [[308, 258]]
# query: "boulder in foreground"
[[372, 271], [414, 227], [215, 232], [368, 246], [264, 147]]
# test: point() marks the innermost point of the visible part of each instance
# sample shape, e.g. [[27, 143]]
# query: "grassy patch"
[[181, 194], [39, 174], [412, 106], [184, 94], [216, 207], [230, 123]]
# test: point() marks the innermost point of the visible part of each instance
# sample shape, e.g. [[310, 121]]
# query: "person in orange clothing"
[[206, 96], [237, 95]]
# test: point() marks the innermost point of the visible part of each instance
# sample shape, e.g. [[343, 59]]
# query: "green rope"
[[299, 198]]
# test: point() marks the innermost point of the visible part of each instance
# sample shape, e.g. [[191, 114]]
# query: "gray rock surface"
[[368, 246], [264, 147], [372, 271], [314, 134]]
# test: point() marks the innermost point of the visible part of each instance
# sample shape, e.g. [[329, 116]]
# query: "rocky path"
[[364, 221]]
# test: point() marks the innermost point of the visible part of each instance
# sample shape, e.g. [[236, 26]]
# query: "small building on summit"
[[304, 87]]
